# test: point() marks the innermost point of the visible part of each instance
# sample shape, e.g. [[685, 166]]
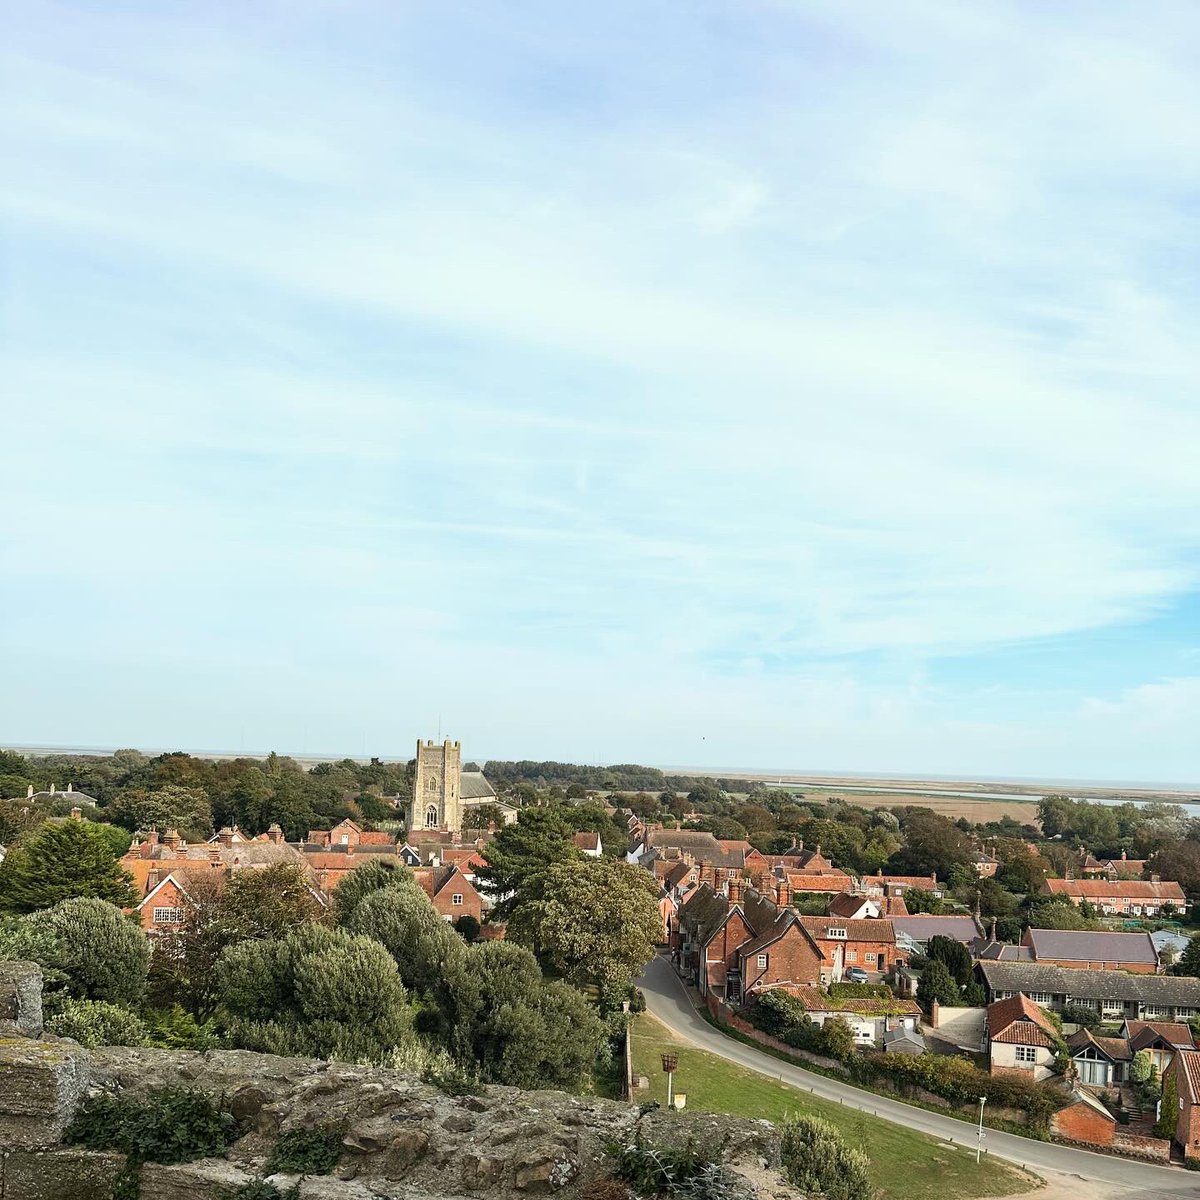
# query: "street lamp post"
[[982, 1135], [669, 1063]]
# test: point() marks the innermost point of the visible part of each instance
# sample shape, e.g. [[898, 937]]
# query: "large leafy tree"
[[936, 984], [539, 838], [597, 921], [258, 905], [94, 949], [932, 844], [60, 860], [186, 809], [317, 991], [954, 955]]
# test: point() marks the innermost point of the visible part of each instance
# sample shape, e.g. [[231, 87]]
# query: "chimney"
[[29, 792], [171, 837], [214, 856], [934, 1013], [152, 840], [734, 890], [275, 833], [76, 813], [785, 893], [225, 836], [1124, 856], [70, 788], [1156, 878], [349, 849], [978, 914], [52, 788]]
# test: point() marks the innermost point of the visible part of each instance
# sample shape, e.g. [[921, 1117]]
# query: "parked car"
[[857, 975]]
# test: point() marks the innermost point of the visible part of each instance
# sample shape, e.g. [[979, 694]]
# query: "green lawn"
[[904, 1165]]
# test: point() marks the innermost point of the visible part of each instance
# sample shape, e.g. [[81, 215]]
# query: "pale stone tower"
[[437, 788]]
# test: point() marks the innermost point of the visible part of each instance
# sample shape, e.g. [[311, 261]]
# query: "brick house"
[[1084, 1119], [164, 907], [1021, 1038], [846, 942], [1085, 949], [1161, 1040], [1185, 1070], [1115, 995], [881, 884], [452, 893], [1123, 897], [731, 943]]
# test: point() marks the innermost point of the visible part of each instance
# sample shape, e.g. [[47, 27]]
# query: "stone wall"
[[401, 1137]]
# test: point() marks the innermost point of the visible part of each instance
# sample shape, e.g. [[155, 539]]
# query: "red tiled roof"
[[862, 929], [806, 881], [1122, 889], [587, 840], [1016, 1019], [1188, 1073]]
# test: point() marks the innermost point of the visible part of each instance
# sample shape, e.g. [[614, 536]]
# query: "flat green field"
[[904, 1165]]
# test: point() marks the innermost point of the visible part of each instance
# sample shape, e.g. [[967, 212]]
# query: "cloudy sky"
[[752, 384]]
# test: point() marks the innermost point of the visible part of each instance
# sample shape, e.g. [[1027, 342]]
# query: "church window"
[[431, 816], [431, 784]]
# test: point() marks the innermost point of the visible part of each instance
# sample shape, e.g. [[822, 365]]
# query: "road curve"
[[667, 1000]]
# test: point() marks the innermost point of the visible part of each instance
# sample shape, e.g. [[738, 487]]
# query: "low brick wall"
[[1158, 1149]]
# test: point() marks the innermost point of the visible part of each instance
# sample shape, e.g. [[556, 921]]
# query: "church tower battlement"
[[437, 787]]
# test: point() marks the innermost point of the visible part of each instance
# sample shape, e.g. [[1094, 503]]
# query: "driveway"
[[667, 1000]]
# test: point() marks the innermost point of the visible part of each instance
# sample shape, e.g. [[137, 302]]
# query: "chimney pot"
[[70, 788], [29, 792]]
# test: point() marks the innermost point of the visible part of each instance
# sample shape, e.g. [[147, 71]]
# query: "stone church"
[[443, 792]]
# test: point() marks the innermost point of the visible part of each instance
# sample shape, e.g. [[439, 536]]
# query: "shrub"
[[259, 1189], [677, 1174], [98, 1023], [860, 991], [836, 1039], [305, 1152], [817, 1160], [100, 952], [173, 1125], [1077, 1014], [175, 1028]]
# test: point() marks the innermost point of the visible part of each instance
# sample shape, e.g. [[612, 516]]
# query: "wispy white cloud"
[[723, 346]]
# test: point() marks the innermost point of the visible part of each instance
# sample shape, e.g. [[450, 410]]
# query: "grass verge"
[[905, 1165]]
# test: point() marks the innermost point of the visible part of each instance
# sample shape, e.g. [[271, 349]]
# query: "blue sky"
[[750, 384]]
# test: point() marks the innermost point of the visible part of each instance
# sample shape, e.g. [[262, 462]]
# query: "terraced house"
[[1121, 897], [1115, 995]]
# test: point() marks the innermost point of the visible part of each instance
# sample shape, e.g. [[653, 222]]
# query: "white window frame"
[[1026, 1054], [870, 956], [168, 915], [762, 962], [838, 932], [456, 898], [851, 955], [1041, 997]]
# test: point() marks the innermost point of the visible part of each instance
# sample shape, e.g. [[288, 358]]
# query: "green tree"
[[364, 881], [98, 1023], [818, 1162], [955, 956], [597, 921], [539, 838], [186, 809], [100, 953], [317, 991], [932, 845], [973, 994], [266, 902], [60, 860], [1169, 1108], [1189, 960], [920, 900], [936, 984], [837, 1039], [525, 1032]]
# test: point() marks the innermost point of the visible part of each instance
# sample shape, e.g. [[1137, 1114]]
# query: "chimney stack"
[[29, 792], [76, 813], [734, 890], [785, 893], [275, 833], [171, 837], [70, 788], [214, 856], [52, 788]]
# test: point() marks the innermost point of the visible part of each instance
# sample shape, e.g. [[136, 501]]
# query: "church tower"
[[437, 788]]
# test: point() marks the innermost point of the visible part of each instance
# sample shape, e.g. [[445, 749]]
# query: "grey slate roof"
[[923, 926], [1171, 990], [473, 786], [1085, 945]]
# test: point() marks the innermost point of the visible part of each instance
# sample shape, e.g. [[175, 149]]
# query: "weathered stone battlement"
[[404, 1139]]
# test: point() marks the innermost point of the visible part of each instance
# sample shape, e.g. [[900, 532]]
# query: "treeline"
[[198, 795], [622, 777]]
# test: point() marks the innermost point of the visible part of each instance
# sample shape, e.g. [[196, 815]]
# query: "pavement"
[[1098, 1174]]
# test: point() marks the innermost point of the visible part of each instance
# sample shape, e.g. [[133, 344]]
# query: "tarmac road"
[[667, 1000]]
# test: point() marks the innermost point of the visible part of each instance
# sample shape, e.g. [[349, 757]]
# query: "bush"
[[175, 1028], [98, 1023], [860, 991], [100, 952], [173, 1125], [676, 1174], [259, 1189], [305, 1152], [1077, 1014], [817, 1160]]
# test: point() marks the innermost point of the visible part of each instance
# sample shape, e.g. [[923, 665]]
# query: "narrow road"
[[667, 1000]]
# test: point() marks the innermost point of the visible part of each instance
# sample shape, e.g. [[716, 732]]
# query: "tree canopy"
[[63, 860]]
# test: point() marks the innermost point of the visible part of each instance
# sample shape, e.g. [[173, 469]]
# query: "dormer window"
[[837, 933]]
